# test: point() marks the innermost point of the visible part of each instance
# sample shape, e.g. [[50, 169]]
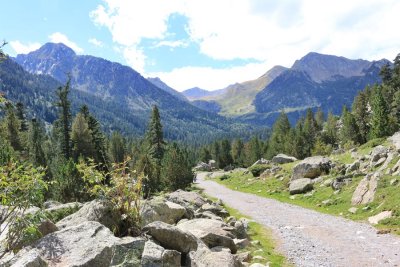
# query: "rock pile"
[[180, 229]]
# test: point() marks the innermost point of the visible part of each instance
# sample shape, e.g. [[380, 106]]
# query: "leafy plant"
[[124, 191], [21, 186]]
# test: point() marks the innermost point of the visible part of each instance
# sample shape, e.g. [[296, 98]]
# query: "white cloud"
[[274, 32], [135, 58], [95, 42], [21, 48], [172, 44], [210, 78], [58, 37]]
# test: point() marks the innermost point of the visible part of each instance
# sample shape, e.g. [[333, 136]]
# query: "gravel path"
[[310, 238]]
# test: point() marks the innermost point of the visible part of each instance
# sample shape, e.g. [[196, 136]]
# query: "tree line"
[[62, 146]]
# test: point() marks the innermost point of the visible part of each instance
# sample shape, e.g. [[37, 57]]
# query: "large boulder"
[[86, 244], [54, 207], [282, 159], [171, 237], [214, 208], [159, 209], [187, 199], [96, 210], [300, 186], [155, 255], [212, 232], [311, 167], [366, 189]]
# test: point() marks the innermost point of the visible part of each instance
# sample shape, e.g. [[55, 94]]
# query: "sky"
[[204, 43]]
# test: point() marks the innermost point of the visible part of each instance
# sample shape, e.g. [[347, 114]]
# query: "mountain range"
[[119, 96], [314, 81], [122, 98]]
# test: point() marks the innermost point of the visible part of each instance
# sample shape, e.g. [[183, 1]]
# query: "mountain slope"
[[160, 84], [312, 84], [126, 94]]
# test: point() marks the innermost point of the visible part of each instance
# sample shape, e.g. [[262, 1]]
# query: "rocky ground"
[[178, 229], [310, 238]]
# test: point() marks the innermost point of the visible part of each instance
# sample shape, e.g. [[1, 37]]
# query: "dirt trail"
[[310, 238]]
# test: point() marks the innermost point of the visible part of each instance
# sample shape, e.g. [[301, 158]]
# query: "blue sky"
[[205, 43]]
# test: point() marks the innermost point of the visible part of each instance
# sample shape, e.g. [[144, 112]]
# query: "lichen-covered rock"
[[127, 252], [155, 255], [187, 199], [378, 152], [311, 167], [204, 257], [96, 210], [380, 217]]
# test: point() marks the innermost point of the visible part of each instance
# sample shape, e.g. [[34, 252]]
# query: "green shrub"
[[124, 191], [224, 177], [256, 170], [21, 187]]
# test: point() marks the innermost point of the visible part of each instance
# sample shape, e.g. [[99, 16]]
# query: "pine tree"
[[319, 119], [155, 150], [154, 136], [21, 116], [280, 130], [253, 150], [361, 113], [349, 132], [12, 128], [310, 130], [176, 173], [98, 139], [329, 133], [238, 152], [64, 119], [36, 137], [205, 155], [81, 137], [380, 112], [117, 148], [215, 152], [225, 155]]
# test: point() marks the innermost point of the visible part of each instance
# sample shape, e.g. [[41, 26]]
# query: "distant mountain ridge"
[[197, 93], [129, 95], [162, 85]]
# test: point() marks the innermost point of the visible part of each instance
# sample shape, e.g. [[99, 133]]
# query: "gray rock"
[[241, 243], [379, 162], [158, 209], [152, 255], [328, 182], [394, 181], [240, 229], [282, 159], [300, 186], [207, 215], [390, 157], [96, 210], [395, 139], [30, 258], [86, 244], [216, 209], [171, 237], [51, 204], [341, 181], [204, 257], [261, 162], [244, 256], [128, 252], [202, 167], [213, 233], [311, 167], [353, 210], [378, 152], [366, 189], [353, 167], [187, 199], [155, 255]]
